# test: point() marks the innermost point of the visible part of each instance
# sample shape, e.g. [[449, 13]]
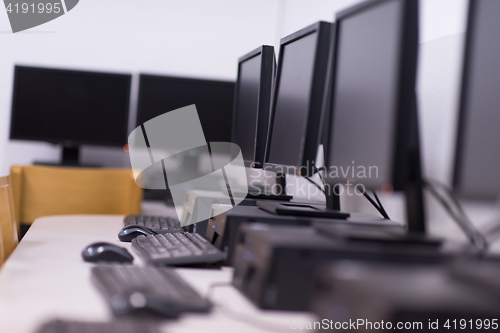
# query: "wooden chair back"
[[45, 191], [8, 225]]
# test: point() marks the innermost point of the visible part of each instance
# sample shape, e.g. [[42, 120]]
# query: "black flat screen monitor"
[[252, 102], [297, 101], [373, 134], [213, 100], [373, 127], [69, 107], [477, 158]]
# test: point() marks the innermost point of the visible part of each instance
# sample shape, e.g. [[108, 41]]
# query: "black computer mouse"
[[132, 231], [106, 252]]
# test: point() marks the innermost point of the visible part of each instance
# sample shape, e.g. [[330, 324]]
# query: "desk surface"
[[45, 278]]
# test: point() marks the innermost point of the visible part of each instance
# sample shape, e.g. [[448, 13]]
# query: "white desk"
[[46, 278]]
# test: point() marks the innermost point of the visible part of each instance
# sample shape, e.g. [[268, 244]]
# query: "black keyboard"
[[122, 326], [150, 289], [160, 224], [177, 249]]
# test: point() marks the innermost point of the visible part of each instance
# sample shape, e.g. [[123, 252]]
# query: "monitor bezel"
[[463, 99], [405, 110], [309, 149], [69, 143], [267, 75], [328, 96]]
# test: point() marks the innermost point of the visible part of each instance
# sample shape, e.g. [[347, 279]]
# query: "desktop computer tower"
[[223, 226], [274, 265], [424, 298], [197, 207]]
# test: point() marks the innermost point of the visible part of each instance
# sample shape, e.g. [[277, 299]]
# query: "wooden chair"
[[44, 191], [8, 225]]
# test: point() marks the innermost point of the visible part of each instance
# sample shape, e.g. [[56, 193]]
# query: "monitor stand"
[[332, 209], [415, 232], [70, 158], [390, 235], [268, 196], [303, 209], [262, 194]]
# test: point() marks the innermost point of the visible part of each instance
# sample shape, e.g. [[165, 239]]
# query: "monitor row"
[[349, 85], [76, 108]]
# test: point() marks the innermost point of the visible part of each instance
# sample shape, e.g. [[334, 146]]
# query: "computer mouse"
[[106, 252], [132, 231]]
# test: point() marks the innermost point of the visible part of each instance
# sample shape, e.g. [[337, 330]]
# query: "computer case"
[[197, 207], [425, 298], [223, 224], [274, 265]]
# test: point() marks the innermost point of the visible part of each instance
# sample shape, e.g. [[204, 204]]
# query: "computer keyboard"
[[177, 249], [121, 326], [149, 289], [160, 224]]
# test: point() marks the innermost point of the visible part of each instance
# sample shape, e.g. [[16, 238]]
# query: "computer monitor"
[[477, 157], [214, 103], [213, 100], [373, 136], [70, 108], [252, 103], [298, 113], [295, 130]]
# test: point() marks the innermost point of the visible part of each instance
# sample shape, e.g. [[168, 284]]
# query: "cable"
[[457, 213], [485, 236], [492, 233], [491, 230], [315, 184], [383, 212], [378, 206], [320, 176], [434, 183], [475, 239], [448, 191], [373, 203], [481, 238]]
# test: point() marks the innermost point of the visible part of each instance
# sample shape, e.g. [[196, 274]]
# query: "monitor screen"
[[365, 96], [291, 108], [213, 100], [70, 107], [477, 161], [247, 106]]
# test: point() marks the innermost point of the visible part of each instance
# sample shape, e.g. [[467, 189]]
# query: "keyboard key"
[[176, 249], [159, 224]]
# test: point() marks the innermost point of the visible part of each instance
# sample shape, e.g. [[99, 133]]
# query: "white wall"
[[190, 38], [297, 14]]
